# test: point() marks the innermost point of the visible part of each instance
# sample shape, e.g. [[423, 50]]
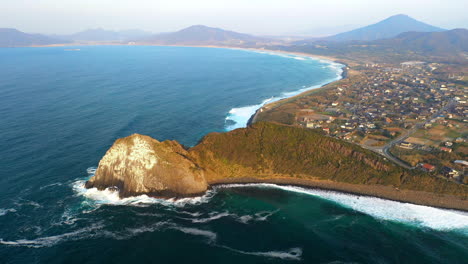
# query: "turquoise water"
[[61, 110]]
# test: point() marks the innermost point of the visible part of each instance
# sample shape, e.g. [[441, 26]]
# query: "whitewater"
[[238, 117]]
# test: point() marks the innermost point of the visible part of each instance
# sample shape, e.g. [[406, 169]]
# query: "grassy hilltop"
[[267, 151]]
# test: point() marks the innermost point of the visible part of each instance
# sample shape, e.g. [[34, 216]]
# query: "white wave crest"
[[48, 241], [91, 170], [50, 185], [240, 116], [291, 254], [111, 197], [299, 58], [6, 211], [212, 216], [417, 215], [197, 232], [131, 232]]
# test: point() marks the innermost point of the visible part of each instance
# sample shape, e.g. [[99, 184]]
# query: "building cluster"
[[385, 101], [388, 97]]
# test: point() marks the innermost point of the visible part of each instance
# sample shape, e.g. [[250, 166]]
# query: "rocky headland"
[[265, 152], [139, 164]]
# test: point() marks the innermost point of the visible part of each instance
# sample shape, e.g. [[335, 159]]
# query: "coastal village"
[[415, 113]]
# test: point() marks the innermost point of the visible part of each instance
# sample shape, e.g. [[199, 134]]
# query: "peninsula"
[[267, 153]]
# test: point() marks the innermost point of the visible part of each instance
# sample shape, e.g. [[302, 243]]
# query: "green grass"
[[285, 150]]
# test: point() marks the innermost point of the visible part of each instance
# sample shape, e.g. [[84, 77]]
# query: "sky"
[[261, 17]]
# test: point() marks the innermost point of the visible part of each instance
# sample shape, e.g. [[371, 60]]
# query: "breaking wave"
[[416, 215], [291, 254], [238, 117], [111, 197]]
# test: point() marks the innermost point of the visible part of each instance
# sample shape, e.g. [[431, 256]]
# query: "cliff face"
[[142, 165], [263, 152]]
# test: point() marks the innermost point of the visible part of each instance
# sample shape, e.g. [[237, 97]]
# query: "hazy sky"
[[249, 16]]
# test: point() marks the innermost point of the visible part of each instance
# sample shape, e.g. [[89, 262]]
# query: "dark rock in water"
[[139, 164]]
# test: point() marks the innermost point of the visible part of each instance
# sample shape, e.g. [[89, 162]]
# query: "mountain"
[[450, 46], [102, 35], [203, 35], [10, 37], [435, 43], [388, 28]]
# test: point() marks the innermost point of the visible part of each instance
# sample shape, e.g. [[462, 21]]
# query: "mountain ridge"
[[103, 35], [203, 35], [387, 28], [10, 37]]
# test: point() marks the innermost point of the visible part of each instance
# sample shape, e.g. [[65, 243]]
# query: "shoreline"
[[376, 191], [329, 60], [343, 75]]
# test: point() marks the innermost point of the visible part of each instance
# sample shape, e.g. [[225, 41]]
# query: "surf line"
[[240, 117]]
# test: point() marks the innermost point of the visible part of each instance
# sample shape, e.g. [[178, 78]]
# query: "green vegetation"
[[269, 150]]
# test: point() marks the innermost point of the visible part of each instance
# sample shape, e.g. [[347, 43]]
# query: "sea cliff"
[[139, 164]]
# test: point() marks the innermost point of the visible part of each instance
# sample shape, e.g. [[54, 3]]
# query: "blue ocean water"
[[61, 109]]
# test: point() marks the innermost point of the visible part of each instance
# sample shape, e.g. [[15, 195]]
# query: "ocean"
[[62, 108]]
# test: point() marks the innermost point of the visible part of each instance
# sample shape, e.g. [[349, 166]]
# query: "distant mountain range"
[[449, 46], [10, 37], [203, 35], [398, 36], [102, 35]]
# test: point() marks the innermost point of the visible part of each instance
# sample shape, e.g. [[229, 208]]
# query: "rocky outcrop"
[[142, 165]]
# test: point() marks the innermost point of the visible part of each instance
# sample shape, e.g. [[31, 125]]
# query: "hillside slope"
[[444, 42], [268, 151], [203, 35], [10, 37], [384, 29], [103, 35]]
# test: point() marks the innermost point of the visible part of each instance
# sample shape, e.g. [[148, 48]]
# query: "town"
[[414, 113]]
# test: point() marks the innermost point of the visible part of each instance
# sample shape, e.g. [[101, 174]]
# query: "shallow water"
[[61, 110]]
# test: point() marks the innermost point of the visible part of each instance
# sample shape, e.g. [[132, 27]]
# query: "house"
[[461, 162], [446, 149], [449, 172], [406, 145], [427, 167]]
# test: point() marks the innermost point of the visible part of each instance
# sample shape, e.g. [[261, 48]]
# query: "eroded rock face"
[[139, 164]]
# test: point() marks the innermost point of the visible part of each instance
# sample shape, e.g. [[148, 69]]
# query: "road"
[[385, 150]]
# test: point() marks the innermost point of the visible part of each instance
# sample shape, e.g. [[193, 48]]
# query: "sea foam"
[[291, 254], [416, 215], [6, 211], [48, 241], [238, 117], [111, 197]]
